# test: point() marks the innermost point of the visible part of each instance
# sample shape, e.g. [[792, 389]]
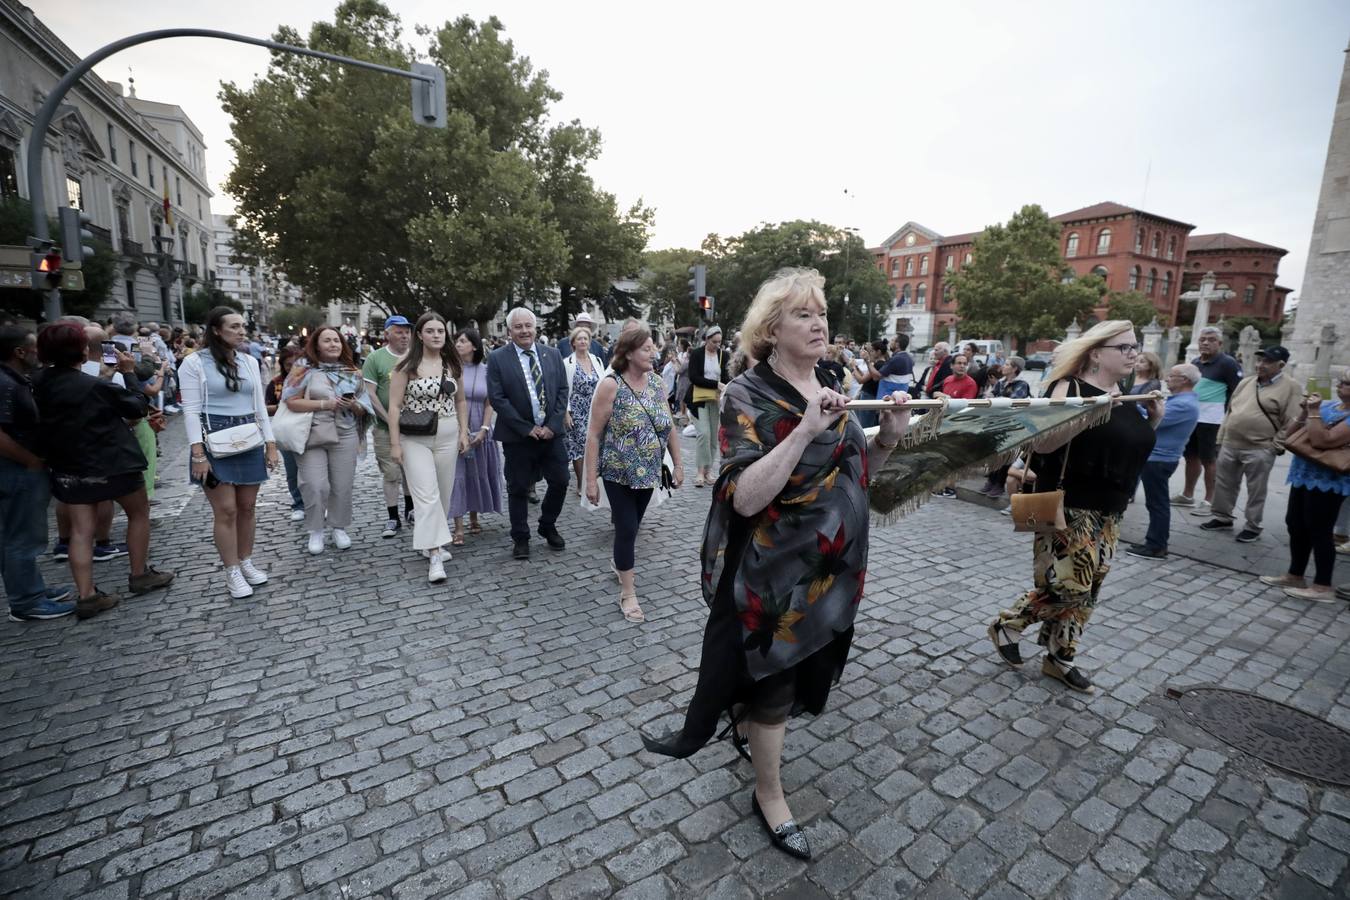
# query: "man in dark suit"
[[527, 386]]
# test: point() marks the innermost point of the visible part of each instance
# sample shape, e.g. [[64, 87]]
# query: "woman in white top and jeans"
[[222, 388], [427, 380]]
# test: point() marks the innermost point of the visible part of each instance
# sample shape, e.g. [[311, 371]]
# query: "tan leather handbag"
[[1299, 443], [1040, 511]]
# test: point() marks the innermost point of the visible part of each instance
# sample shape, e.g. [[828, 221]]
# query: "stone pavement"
[[351, 732]]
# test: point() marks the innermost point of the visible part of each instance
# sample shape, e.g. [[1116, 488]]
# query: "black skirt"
[[82, 490]]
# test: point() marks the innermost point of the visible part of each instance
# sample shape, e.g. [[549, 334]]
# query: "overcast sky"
[[722, 115]]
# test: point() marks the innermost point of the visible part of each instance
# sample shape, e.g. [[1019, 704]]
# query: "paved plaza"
[[351, 732]]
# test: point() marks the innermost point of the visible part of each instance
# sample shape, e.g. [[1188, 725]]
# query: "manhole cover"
[[1273, 732]]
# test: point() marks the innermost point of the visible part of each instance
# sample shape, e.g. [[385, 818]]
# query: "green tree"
[[199, 301], [100, 270], [665, 285], [337, 186], [1134, 306], [291, 320], [737, 266], [1270, 331], [1018, 284]]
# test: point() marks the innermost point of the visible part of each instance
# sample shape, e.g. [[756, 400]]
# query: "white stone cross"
[[1202, 299]]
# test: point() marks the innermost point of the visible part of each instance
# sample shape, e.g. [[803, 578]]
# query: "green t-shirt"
[[376, 370]]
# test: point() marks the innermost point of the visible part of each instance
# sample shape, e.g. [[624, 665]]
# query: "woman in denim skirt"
[[222, 388]]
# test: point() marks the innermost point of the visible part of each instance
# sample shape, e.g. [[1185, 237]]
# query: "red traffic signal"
[[47, 269]]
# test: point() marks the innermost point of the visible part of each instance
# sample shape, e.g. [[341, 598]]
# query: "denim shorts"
[[249, 467]]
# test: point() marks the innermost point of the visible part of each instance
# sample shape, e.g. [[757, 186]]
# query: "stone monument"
[[1173, 347], [1203, 298], [1073, 331], [1325, 297], [1152, 333], [1249, 341]]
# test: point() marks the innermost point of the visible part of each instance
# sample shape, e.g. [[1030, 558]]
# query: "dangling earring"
[[773, 356]]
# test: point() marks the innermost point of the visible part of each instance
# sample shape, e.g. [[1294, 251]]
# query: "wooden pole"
[[1003, 402]]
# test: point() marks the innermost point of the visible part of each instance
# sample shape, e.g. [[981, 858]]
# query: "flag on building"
[[168, 214]]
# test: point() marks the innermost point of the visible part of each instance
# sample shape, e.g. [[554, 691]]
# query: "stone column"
[[1174, 346], [1326, 347], [1073, 331], [1249, 341], [1152, 333]]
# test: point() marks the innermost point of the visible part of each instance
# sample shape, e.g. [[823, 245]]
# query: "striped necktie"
[[537, 376]]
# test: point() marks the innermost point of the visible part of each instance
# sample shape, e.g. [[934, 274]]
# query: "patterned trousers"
[[1069, 568]]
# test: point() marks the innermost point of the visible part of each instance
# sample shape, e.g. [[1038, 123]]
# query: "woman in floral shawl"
[[785, 546]]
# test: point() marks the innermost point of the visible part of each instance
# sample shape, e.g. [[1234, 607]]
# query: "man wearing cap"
[[1250, 439], [397, 337], [583, 320]]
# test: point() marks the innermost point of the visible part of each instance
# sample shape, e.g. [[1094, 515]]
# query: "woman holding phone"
[[327, 382], [223, 388]]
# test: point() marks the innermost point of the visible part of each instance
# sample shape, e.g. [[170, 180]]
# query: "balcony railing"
[[132, 248], [192, 270], [101, 234]]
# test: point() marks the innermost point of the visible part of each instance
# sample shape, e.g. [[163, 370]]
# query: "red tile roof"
[[1107, 209], [953, 239], [1223, 241]]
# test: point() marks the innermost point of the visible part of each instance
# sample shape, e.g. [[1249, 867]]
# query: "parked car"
[[1040, 360]]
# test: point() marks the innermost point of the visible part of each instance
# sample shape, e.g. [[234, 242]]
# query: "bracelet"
[[885, 446], [199, 459], [1315, 417]]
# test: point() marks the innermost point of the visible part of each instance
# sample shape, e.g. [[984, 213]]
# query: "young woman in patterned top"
[[628, 433]]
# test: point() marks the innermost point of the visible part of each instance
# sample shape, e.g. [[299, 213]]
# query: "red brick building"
[[1133, 250], [1248, 268]]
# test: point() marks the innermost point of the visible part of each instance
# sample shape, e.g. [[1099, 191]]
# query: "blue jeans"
[[24, 496], [1155, 478], [288, 459]]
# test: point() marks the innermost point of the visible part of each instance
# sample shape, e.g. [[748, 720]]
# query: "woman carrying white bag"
[[231, 440]]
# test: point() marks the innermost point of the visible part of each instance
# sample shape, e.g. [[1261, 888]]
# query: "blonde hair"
[[1072, 357], [784, 288], [579, 330], [1154, 363]]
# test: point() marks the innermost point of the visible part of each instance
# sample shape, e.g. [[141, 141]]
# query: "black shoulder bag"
[[421, 422]]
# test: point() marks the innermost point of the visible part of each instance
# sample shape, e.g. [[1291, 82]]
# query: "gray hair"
[[1016, 362], [517, 313], [942, 347], [1188, 371], [124, 325], [1210, 329]]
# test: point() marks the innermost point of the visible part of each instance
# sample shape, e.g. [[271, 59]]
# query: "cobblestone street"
[[350, 731]]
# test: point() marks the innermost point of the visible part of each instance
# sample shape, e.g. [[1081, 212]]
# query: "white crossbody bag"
[[228, 441]]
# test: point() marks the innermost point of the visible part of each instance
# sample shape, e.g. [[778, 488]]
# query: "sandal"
[[633, 613], [698, 480], [475, 528], [457, 539], [740, 741], [1009, 652]]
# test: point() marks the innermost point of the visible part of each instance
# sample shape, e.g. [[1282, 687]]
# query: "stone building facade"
[[114, 156], [259, 288], [1321, 338]]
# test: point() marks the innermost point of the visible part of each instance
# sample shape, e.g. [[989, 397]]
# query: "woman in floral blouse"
[[629, 430], [785, 547]]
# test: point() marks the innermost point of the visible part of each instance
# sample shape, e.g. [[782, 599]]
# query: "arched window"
[[1172, 247], [904, 295], [920, 294], [1157, 244], [968, 258], [1249, 295], [895, 268], [909, 266], [950, 260], [1100, 270], [1148, 285], [1134, 278], [1139, 240], [1167, 285], [923, 265], [1071, 248], [1104, 241]]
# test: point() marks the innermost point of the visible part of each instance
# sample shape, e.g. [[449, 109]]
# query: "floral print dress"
[[579, 405], [634, 442]]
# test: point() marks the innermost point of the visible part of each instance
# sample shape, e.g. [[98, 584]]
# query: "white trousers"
[[429, 466]]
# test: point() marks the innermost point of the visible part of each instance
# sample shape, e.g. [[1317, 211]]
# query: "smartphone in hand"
[[109, 353]]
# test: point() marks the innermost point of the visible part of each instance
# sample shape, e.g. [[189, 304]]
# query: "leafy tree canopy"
[[1018, 285], [1132, 305], [337, 186], [738, 265]]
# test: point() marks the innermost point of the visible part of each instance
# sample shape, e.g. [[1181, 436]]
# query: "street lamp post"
[[166, 272]]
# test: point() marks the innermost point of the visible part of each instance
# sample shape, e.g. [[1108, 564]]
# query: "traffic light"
[[74, 235], [47, 270], [428, 96], [698, 284], [706, 303]]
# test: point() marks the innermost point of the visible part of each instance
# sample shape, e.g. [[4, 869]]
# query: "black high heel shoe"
[[739, 741], [787, 837], [677, 745]]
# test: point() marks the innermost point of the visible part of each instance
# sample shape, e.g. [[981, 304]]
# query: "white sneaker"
[[1201, 508], [252, 574], [436, 570], [390, 529], [297, 515], [340, 539], [1182, 500], [316, 542], [234, 580]]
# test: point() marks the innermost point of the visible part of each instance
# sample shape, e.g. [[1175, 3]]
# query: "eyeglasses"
[[1124, 348]]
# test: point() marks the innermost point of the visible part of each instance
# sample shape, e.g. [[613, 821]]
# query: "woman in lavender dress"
[[583, 374], [478, 478]]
